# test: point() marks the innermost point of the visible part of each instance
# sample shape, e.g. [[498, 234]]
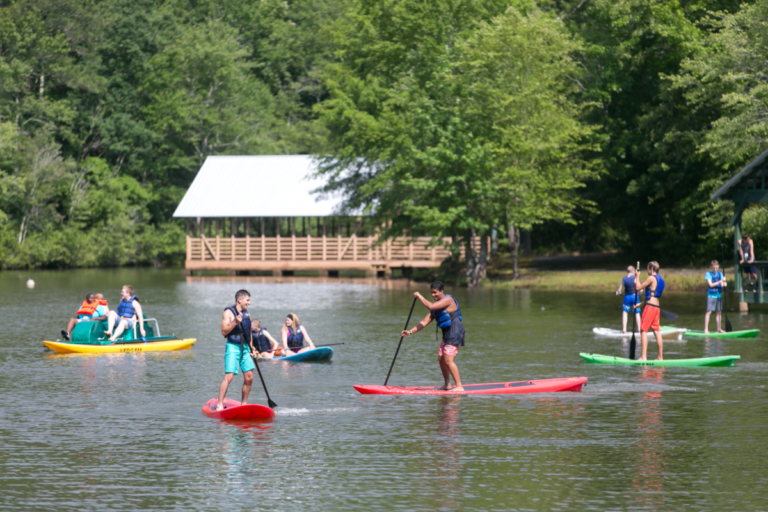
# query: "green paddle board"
[[733, 334], [702, 361]]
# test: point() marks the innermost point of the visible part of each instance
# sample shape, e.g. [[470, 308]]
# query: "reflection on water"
[[125, 431], [649, 452]]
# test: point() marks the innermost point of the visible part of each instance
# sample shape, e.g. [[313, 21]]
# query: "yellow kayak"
[[63, 347]]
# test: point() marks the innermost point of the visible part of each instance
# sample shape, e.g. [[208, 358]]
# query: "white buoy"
[[30, 283]]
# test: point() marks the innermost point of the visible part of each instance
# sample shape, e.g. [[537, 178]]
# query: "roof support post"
[[277, 222], [247, 239], [737, 280]]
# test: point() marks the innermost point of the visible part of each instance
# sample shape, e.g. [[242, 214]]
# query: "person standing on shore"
[[236, 328], [715, 283], [654, 287], [444, 311], [631, 299]]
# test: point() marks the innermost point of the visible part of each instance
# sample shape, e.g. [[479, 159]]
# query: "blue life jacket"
[[659, 288], [125, 309], [260, 341], [443, 317], [237, 334], [718, 278], [629, 285], [295, 339]]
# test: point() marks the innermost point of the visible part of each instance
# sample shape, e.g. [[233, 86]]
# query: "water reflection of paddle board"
[[498, 388], [234, 411], [615, 333]]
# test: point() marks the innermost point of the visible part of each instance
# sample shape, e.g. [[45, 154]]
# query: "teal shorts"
[[234, 357]]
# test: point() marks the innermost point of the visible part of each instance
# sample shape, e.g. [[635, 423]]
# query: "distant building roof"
[[257, 186], [747, 178]]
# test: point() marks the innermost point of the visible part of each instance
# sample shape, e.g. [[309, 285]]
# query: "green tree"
[[431, 139]]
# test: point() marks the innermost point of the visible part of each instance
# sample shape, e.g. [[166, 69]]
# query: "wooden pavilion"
[[262, 214], [747, 187]]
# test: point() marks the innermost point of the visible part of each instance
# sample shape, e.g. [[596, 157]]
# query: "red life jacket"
[[90, 308]]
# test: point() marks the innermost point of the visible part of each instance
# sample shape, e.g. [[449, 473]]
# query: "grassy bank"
[[599, 280]]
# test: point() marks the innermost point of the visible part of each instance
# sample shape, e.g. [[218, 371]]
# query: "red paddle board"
[[234, 411], [498, 388]]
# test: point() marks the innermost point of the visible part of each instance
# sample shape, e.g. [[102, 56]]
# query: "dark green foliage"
[[637, 109]]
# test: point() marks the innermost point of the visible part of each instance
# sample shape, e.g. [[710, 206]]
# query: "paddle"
[[728, 327], [401, 342], [633, 343], [271, 404], [316, 346], [670, 316]]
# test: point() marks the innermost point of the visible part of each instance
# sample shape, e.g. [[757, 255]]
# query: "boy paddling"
[[235, 323], [444, 311], [631, 300], [654, 287], [715, 283]]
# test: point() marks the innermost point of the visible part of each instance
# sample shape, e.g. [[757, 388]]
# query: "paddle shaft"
[[272, 404], [728, 327], [400, 343], [633, 343]]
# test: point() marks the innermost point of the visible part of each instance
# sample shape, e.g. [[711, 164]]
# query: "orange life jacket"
[[89, 309]]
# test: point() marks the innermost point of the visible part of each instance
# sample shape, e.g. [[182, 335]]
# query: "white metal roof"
[[256, 186]]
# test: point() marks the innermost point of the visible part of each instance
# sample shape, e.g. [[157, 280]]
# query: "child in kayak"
[[293, 335], [445, 312], [715, 283], [654, 287], [92, 309], [630, 298], [262, 343], [236, 328]]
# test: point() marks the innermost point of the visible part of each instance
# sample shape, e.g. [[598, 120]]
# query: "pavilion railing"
[[326, 249]]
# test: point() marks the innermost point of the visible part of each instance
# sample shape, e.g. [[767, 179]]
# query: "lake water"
[[125, 431]]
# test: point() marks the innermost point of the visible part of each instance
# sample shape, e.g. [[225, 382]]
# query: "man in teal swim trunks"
[[236, 327]]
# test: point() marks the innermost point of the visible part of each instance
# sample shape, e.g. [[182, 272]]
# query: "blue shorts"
[[128, 320], [628, 301], [236, 356]]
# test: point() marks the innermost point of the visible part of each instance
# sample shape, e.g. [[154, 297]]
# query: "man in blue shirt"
[[715, 283]]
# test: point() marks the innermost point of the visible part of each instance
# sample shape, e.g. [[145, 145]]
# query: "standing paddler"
[[654, 287], [236, 327], [631, 300], [444, 311]]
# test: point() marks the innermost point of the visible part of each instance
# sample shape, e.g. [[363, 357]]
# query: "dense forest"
[[593, 124]]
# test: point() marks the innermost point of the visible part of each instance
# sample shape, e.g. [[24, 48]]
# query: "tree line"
[[594, 124]]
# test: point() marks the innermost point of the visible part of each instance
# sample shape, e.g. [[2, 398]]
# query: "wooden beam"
[[351, 239]]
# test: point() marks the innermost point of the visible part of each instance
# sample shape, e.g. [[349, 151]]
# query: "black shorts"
[[454, 333]]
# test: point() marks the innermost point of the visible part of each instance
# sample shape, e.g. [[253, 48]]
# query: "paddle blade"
[[728, 327], [271, 403], [669, 315], [632, 345]]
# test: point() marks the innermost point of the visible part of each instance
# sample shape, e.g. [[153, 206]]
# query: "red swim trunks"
[[650, 318], [449, 350]]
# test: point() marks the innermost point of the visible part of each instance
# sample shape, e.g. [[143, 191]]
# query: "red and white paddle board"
[[234, 411], [498, 388]]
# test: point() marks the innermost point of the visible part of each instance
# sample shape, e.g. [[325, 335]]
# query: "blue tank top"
[[659, 288], [443, 317], [629, 285], [745, 250], [295, 339], [236, 334], [125, 309], [260, 341]]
